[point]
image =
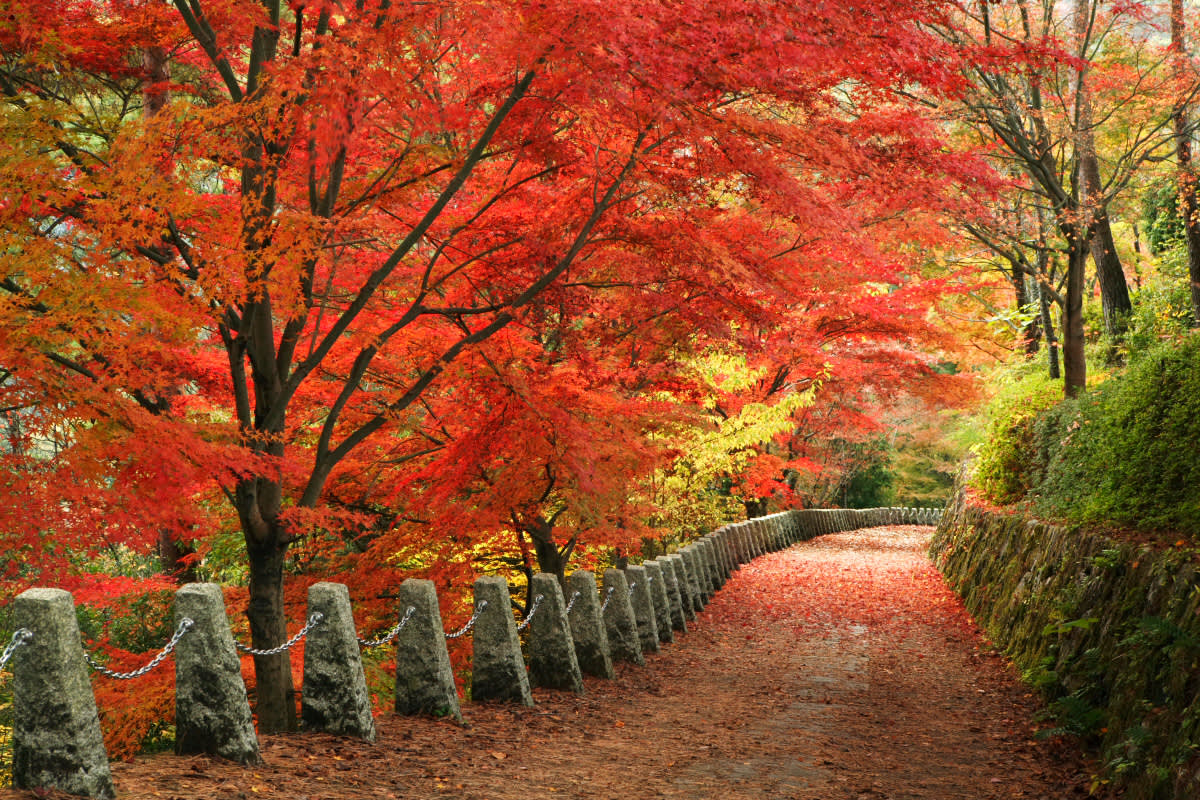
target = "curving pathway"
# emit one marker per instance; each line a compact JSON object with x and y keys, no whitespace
{"x":838,"y":668}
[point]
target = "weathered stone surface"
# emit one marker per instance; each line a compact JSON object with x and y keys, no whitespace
{"x":658,"y":596}
{"x":587,"y":626}
{"x":682,"y":585}
{"x":708,"y":568}
{"x":57,"y":742}
{"x":552,"y":662}
{"x":424,"y":678}
{"x":643,"y":608}
{"x":335,"y":697}
{"x":692,"y":561}
{"x":619,"y":622}
{"x":212,"y":714}
{"x":497,"y":667}
{"x":674,"y":600}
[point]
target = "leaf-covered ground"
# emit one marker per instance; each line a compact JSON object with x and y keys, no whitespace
{"x":840,"y":668}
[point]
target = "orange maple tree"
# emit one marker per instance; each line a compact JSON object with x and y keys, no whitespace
{"x":296,"y":259}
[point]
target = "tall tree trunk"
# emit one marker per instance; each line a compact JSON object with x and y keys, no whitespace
{"x":1074,"y":363}
{"x":1114,"y":293}
{"x":1048,"y":332}
{"x":1030,"y":335}
{"x":276,"y":693}
{"x":1189,"y":205}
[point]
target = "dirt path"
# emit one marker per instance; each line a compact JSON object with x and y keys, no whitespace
{"x":840,"y":668}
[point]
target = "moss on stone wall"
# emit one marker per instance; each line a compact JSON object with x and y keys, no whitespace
{"x":1108,"y":631}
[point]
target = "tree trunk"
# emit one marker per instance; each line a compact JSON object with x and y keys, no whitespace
{"x":1030,"y":335}
{"x":1189,"y":205}
{"x":1048,"y":332}
{"x":1114,"y":291}
{"x":1074,"y":363}
{"x":276,"y":693}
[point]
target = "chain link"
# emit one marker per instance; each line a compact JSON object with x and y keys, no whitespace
{"x":470,"y":623}
{"x":632,"y":586}
{"x":20,"y":636}
{"x":185,"y":625}
{"x":392,"y":634}
{"x":313,"y":622}
{"x":571,"y":604}
{"x":537,"y":601}
{"x":607,"y":597}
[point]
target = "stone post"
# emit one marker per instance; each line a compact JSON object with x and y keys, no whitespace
{"x":587,"y":627}
{"x":335,"y":697}
{"x":643,"y":608}
{"x":619,"y":622}
{"x":57,"y":742}
{"x":212,"y":714}
{"x":692,"y":561}
{"x":675,"y":601}
{"x":662,"y":605}
{"x":497,"y":668}
{"x":683,"y":585}
{"x":552,"y":661}
{"x":708,"y":566}
{"x":424,"y":678}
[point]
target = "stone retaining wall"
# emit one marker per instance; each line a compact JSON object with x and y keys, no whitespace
{"x":1108,"y":630}
{"x":56,"y":736}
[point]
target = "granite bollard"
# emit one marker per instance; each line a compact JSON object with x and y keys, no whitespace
{"x":212,"y":713}
{"x":662,"y":604}
{"x":682,"y":585}
{"x":57,"y":742}
{"x":674,"y":600}
{"x":587,"y":627}
{"x":497,"y":668}
{"x":619,"y":621}
{"x":335,"y":697}
{"x":552,"y":661}
{"x":643,"y":607}
{"x":424,"y":677}
{"x":692,"y":562}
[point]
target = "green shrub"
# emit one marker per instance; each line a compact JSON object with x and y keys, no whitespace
{"x":1005,"y":471}
{"x":1138,"y":461}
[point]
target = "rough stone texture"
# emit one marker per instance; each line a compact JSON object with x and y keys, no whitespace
{"x":335,"y":697}
{"x":57,"y":742}
{"x":662,"y":605}
{"x":1112,"y":620}
{"x":552,"y":662}
{"x":587,"y":627}
{"x":682,"y":585}
{"x":692,"y":563}
{"x":619,"y":621}
{"x":674,"y":600}
{"x":643,"y":608}
{"x":708,"y":567}
{"x":424,"y":678}
{"x":212,"y":714}
{"x":497,"y":667}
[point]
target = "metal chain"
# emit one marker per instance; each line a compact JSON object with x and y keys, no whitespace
{"x":632,"y":586}
{"x":313,"y":622}
{"x":480,"y":606}
{"x":571,"y":604}
{"x":20,"y":636}
{"x":537,"y":601}
{"x":185,"y":625}
{"x":392,"y":634}
{"x":607,"y":597}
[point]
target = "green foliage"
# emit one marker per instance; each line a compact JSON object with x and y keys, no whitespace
{"x":871,"y":486}
{"x":1160,"y":211}
{"x":1123,"y":453}
{"x":1005,"y":471}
